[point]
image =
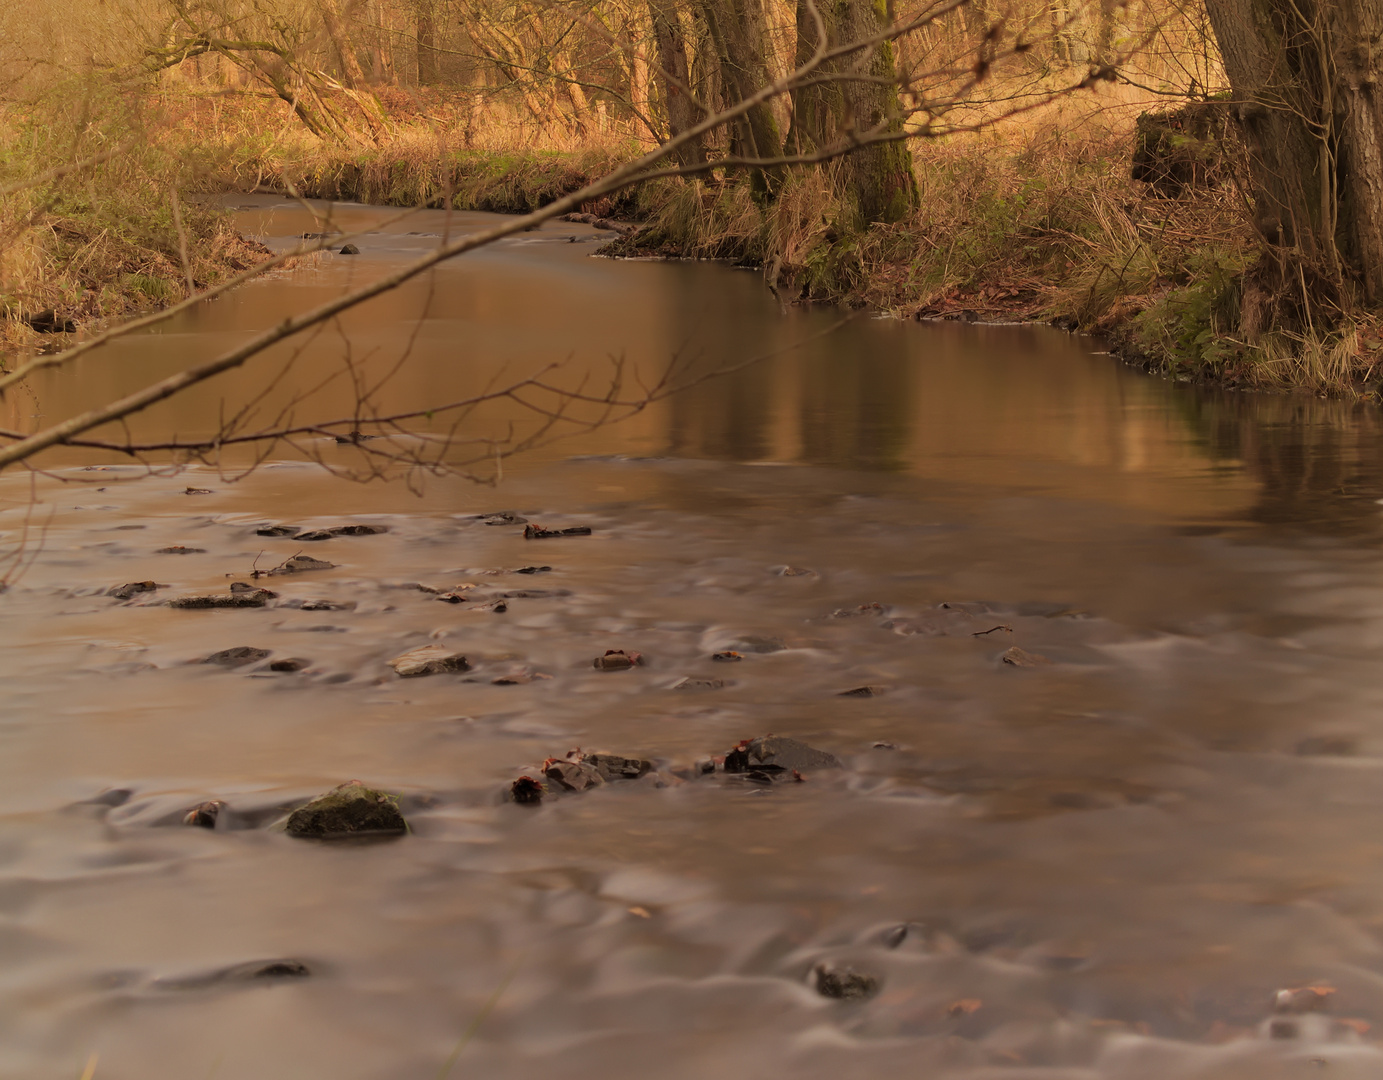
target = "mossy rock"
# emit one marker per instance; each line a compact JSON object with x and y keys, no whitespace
{"x":1183,"y":148}
{"x":349,"y":810}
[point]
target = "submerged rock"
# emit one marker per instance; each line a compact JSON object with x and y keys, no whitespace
{"x":573,"y":775}
{"x":687,"y":683}
{"x":251,"y":970}
{"x":348,"y":249}
{"x":728,"y":656}
{"x":237,"y":599}
{"x":526,"y":791}
{"x":795,"y":571}
{"x":533,"y":570}
{"x":856,"y":612}
{"x":502,"y":517}
{"x":179,"y":549}
{"x":319,"y":605}
{"x":864,"y":691}
{"x":537,"y":532}
{"x":348,"y":810}
{"x":301,"y":563}
{"x":1016,"y":657}
{"x":277,"y":530}
{"x":616,"y":767}
{"x":290,"y":664}
{"x":777,"y":754}
{"x":428,"y":660}
{"x":204,"y":815}
{"x":342,"y":530}
{"x":132,"y":589}
{"x":617,"y":660}
{"x":237,"y":657}
{"x":844,"y":984}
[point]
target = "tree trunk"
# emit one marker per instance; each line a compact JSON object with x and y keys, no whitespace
{"x":878,"y":177}
{"x":674,"y":79}
{"x":351,"y":72}
{"x":427,"y":42}
{"x":740,"y":36}
{"x":1307,"y":103}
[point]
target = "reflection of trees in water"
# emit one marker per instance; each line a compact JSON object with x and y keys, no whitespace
{"x":857,"y":405}
{"x":835,"y":402}
{"x":1319,"y":462}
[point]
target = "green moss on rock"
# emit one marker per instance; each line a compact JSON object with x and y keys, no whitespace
{"x":348,"y":810}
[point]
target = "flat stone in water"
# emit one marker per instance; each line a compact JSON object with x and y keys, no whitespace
{"x":616,"y":767}
{"x":687,"y":683}
{"x":237,"y":657}
{"x":844,"y":984}
{"x":573,"y":775}
{"x":300,"y":563}
{"x":342,"y":530}
{"x":777,"y":753}
{"x":179,"y":549}
{"x":428,"y":660}
{"x":277,"y":530}
{"x":864,"y":691}
{"x":348,"y":810}
{"x":131,"y":589}
{"x":253,"y":598}
{"x":503,"y":517}
{"x":1016,"y":657}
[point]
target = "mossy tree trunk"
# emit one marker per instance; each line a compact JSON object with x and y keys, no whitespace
{"x":1307,"y":100}
{"x":674,"y":78}
{"x":739,"y":32}
{"x":878,"y":177}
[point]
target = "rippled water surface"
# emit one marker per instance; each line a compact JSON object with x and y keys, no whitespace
{"x":1102,"y":866}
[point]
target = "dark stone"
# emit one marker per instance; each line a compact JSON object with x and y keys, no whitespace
{"x":321,"y":235}
{"x":885,"y":746}
{"x":349,"y":249}
{"x":729,"y":656}
{"x":179,"y":549}
{"x":573,"y":775}
{"x":131,"y":589}
{"x":246,"y":587}
{"x":844,"y":983}
{"x":451,"y":598}
{"x":237,"y":657}
{"x":532,"y":569}
{"x":1016,"y":657}
{"x":300,"y":563}
{"x":526,"y":791}
{"x":254,"y":598}
{"x":537,"y":532}
{"x":503,"y":517}
{"x":864,"y":691}
{"x":277,"y":530}
{"x":319,"y":605}
{"x":350,"y":809}
{"x":428,"y":660}
{"x":197,"y":491}
{"x":49,"y":321}
{"x":617,"y":660}
{"x":615,"y":767}
{"x":291,"y":663}
{"x":204,"y":815}
{"x":776,"y":753}
{"x":274,"y":969}
{"x":342,"y":530}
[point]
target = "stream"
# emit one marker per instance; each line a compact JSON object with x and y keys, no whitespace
{"x":1100,"y":863}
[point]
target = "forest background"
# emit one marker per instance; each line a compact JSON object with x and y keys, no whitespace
{"x":1089,"y":163}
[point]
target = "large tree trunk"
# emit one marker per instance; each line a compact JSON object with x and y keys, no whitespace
{"x":351,"y":72}
{"x":740,"y":34}
{"x":674,"y":79}
{"x":1307,"y":102}
{"x":878,"y":176}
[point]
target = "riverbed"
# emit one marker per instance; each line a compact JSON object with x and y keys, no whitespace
{"x":1102,"y":861}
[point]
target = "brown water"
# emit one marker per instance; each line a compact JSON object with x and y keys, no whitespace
{"x":1106,"y":864}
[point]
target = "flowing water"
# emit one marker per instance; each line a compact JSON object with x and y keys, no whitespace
{"x":1100,"y":866}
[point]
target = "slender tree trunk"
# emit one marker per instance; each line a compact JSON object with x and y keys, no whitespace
{"x":1304,"y":75}
{"x":427,"y":42}
{"x":674,"y":78}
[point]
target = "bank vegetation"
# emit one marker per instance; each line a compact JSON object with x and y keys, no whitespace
{"x":1106,"y":166}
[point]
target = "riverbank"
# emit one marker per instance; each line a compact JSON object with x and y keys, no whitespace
{"x":1032,"y":222}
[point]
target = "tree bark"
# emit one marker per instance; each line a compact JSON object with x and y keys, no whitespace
{"x":1305,"y":81}
{"x":352,"y":73}
{"x":674,"y":78}
{"x":427,"y":42}
{"x":878,"y":177}
{"x":739,"y":32}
